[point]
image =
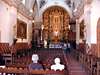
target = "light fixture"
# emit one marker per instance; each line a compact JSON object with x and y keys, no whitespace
{"x":31,"y":10}
{"x":56,"y":33}
{"x":32,"y":21}
{"x":42,"y":27}
{"x":12,"y":9}
{"x":75,"y":10}
{"x":23,"y":1}
{"x":69,"y":27}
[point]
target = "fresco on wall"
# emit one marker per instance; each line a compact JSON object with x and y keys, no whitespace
{"x":21,"y":29}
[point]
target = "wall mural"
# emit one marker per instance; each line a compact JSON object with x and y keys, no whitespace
{"x":21,"y":29}
{"x":55,"y":21}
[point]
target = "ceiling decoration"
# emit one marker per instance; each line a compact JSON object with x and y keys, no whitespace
{"x":68,"y":2}
{"x":42,"y":3}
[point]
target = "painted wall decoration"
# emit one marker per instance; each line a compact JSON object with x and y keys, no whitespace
{"x":21,"y":29}
{"x":42,"y":3}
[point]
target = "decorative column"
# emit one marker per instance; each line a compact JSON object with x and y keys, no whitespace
{"x":77,"y":32}
{"x":29,"y":31}
{"x":42,"y":27}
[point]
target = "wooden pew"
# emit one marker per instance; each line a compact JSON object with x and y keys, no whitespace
{"x":46,"y":58}
{"x":21,"y":71}
{"x":90,"y":62}
{"x":6,"y":52}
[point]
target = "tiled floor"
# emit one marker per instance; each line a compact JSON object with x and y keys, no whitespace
{"x":75,"y":68}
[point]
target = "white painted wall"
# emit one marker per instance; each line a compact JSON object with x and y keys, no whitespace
{"x":91,"y":16}
{"x":87,"y":21}
{"x":7,"y":20}
{"x":95,"y":14}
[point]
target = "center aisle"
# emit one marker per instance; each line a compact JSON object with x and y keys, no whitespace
{"x":74,"y":67}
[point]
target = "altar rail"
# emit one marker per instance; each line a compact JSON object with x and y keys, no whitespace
{"x":92,"y":63}
{"x":21,"y":71}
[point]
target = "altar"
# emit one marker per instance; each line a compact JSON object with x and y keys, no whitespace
{"x":55,"y":26}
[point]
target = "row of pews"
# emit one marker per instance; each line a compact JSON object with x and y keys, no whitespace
{"x":46,"y":57}
{"x":24,"y":71}
{"x":8,"y":52}
{"x":6,"y":48}
{"x":21,"y":57}
{"x":91,"y":62}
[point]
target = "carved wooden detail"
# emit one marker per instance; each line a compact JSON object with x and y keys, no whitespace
{"x":55,"y":21}
{"x":82,"y":27}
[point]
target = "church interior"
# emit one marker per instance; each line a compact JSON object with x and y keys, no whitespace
{"x":64,"y":29}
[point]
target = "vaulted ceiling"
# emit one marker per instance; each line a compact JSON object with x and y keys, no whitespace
{"x":39,"y":6}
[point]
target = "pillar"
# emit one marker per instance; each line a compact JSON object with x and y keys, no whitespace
{"x":77,"y":32}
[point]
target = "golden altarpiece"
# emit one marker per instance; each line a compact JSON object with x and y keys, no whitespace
{"x":55,"y":21}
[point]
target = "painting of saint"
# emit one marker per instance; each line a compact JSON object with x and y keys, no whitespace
{"x":21,"y":29}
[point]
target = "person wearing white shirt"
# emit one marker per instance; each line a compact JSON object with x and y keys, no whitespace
{"x":57,"y":65}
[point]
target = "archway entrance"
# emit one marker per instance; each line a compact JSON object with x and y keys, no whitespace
{"x":56,"y":24}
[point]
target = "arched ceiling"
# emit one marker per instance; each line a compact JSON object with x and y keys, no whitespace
{"x":56,"y":3}
{"x":52,"y":3}
{"x":48,"y":3}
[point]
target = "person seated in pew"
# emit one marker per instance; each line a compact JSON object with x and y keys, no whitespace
{"x":35,"y":65}
{"x":57,"y":65}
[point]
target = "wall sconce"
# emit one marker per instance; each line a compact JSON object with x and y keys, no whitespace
{"x":31,"y":10}
{"x":32,"y":21}
{"x":69,"y":27}
{"x":42,"y":27}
